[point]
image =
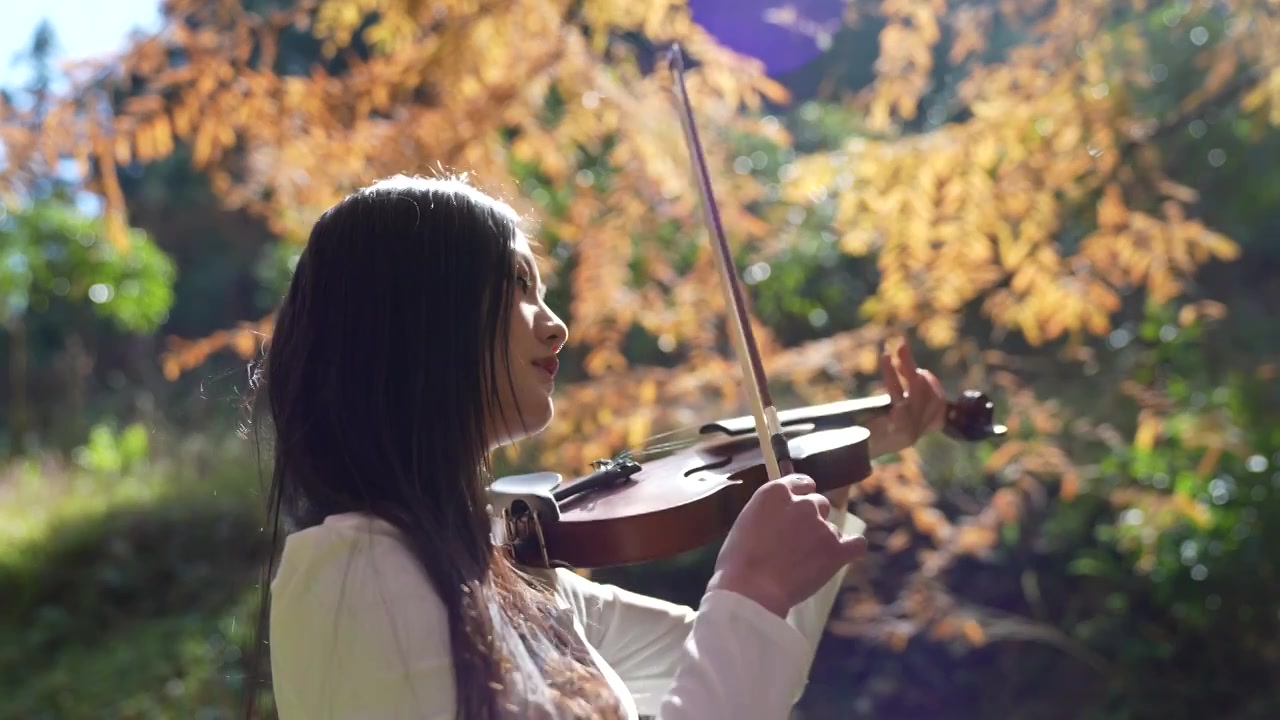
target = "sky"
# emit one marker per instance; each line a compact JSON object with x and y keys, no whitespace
{"x":82,"y":29}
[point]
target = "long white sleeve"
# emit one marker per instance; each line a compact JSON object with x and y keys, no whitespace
{"x":741,"y":661}
{"x":647,"y":640}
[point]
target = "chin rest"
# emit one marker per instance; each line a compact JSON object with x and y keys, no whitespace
{"x":514,"y":495}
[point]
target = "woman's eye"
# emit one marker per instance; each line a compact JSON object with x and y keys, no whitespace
{"x":524,"y":282}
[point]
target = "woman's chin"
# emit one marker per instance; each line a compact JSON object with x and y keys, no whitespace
{"x":531,"y":423}
{"x":542,"y":420}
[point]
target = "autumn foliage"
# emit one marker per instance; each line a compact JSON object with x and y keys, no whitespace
{"x":1038,"y":199}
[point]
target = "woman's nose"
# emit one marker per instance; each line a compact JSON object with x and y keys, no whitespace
{"x":557,"y":333}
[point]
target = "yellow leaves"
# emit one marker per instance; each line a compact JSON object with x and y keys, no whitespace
{"x":1208,"y":244}
{"x":202,"y":150}
{"x":336,"y":21}
{"x":931,"y":522}
{"x":1223,"y":64}
{"x":940,"y":330}
{"x":152,"y":139}
{"x":117,"y":228}
{"x":775,"y":91}
{"x":1177,"y":191}
{"x":898,"y":541}
{"x":973,"y":632}
{"x":968,"y":213}
{"x":1006,"y":504}
{"x":1149,"y":427}
{"x":537,"y":146}
{"x":975,"y":540}
{"x":1112,"y":213}
{"x":959,"y":627}
{"x":859,"y":241}
{"x":1209,"y":461}
{"x":985,"y":153}
{"x":1136,"y":249}
{"x":1204,"y":309}
{"x":1003,"y":455}
{"x":389,"y":32}
{"x":905,"y":61}
{"x":1069,"y":487}
{"x":970,"y":25}
{"x":1265,"y":93}
{"x":123,"y":150}
{"x":814,"y":176}
{"x":958,"y":212}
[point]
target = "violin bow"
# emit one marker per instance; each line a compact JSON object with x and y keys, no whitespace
{"x":772,"y":443}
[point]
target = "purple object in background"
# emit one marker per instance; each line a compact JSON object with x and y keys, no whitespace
{"x":784,"y":34}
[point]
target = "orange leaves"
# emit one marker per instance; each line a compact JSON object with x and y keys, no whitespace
{"x":966,"y":213}
{"x":1207,"y":309}
{"x":970,"y":24}
{"x":1223,"y":65}
{"x":245,"y":341}
{"x":930,"y":522}
{"x":1112,"y":213}
{"x":1135,"y":249}
{"x":975,"y":540}
{"x":956,"y":627}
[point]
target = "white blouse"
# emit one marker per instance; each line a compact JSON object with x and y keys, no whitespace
{"x":357,"y":631}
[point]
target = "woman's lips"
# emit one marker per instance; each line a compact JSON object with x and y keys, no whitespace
{"x":548,"y":365}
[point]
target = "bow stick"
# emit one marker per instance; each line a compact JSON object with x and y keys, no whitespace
{"x":772,"y":443}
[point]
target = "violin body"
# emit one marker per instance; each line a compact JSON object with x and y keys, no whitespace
{"x":626,"y":513}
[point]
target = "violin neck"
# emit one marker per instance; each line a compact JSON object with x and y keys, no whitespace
{"x":841,"y":413}
{"x":969,"y":417}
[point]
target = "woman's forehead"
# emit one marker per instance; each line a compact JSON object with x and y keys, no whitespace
{"x":520,"y":244}
{"x":523,"y":250}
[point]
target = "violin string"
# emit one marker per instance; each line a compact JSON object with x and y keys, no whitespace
{"x":654,"y":449}
{"x":682,"y":431}
{"x":649,"y":449}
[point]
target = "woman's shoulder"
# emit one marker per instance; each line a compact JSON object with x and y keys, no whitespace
{"x":357,"y":556}
{"x":344,"y":535}
{"x":356,"y":625}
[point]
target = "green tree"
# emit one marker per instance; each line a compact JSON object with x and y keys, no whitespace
{"x":54,"y":258}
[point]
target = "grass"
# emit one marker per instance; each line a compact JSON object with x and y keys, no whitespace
{"x":128,"y":594}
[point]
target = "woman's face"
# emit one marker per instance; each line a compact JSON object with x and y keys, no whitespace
{"x":527,"y":369}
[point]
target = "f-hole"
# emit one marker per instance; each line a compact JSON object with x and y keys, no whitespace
{"x":714,"y":466}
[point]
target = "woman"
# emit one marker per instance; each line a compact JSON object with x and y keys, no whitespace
{"x":413,"y":341}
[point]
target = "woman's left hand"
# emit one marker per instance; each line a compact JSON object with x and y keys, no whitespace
{"x":918,"y":404}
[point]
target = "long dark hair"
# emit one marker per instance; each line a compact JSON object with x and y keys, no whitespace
{"x":380,"y":379}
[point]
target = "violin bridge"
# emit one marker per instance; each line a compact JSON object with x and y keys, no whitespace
{"x":621,"y":458}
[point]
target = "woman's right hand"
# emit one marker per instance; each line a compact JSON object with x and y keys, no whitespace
{"x":782,"y":548}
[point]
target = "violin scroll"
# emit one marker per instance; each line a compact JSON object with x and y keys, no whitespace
{"x":971,"y":417}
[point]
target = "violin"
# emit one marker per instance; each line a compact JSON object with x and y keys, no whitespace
{"x":626,"y":512}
